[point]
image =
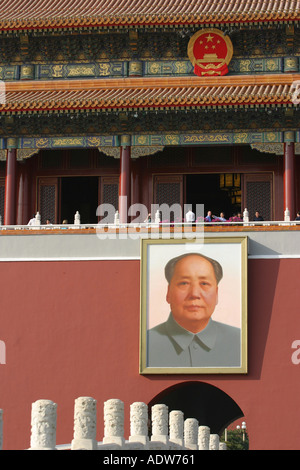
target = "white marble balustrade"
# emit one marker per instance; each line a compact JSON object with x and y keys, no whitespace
{"x":158,"y":430}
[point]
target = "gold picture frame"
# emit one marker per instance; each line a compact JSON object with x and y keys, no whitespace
{"x":165,"y":345}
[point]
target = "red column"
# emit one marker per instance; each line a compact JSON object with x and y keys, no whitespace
{"x":289,"y":178}
{"x":135,"y":181}
{"x":20,"y":193}
{"x":125,"y":186}
{"x":26,"y":195}
{"x":23,"y":195}
{"x":10,"y":188}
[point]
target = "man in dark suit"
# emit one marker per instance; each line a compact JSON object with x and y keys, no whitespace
{"x":258,"y":217}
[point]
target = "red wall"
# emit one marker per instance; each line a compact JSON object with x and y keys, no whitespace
{"x":72,"y":329}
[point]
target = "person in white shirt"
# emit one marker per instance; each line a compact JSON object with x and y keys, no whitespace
{"x":32,"y":221}
{"x":190,"y":216}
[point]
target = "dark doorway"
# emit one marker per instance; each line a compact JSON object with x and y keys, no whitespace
{"x":79,"y":194}
{"x":208,"y":404}
{"x":205,"y":189}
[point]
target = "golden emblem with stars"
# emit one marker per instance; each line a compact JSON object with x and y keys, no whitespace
{"x":210,"y":52}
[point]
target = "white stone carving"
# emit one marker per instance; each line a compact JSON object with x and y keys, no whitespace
{"x":139,"y":423}
{"x":222,"y":446}
{"x":77,"y":218}
{"x":191,"y":433}
{"x":160,"y":424}
{"x":203,"y":437}
{"x":214,"y":441}
{"x":246,"y":216}
{"x":157,"y":217}
{"x":176,"y":424}
{"x":116,"y":218}
{"x":114,"y":422}
{"x":287,"y":217}
{"x":169,"y":430}
{"x":85,"y":419}
{"x":43,"y":425}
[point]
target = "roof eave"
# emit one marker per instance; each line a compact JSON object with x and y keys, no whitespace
{"x":146,"y":21}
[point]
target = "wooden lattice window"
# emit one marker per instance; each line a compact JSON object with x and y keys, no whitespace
{"x":258,"y":195}
{"x":48,"y":199}
{"x":110,"y":195}
{"x":168,"y":190}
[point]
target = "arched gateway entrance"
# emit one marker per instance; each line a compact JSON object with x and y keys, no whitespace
{"x":208,"y":404}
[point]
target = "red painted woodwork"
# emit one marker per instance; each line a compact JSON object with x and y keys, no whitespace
{"x":20,"y":196}
{"x":136,"y":181}
{"x":148,"y":168}
{"x":26,"y":195}
{"x":10,"y":188}
{"x":72,"y":329}
{"x":289,"y":178}
{"x":125,"y":184}
{"x":23,"y":214}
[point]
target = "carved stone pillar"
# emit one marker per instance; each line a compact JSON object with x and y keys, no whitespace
{"x":160,"y":424}
{"x":191,"y":433}
{"x":203,"y":437}
{"x":139,"y":423}
{"x":176,"y":422}
{"x":85,"y":418}
{"x":114,"y":422}
{"x":214,"y":441}
{"x":43,"y":425}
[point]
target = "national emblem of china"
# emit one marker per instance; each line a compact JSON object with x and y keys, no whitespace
{"x":210,"y":52}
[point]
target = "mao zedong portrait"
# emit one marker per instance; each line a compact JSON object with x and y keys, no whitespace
{"x":190,"y":337}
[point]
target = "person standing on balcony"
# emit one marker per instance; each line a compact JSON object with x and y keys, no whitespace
{"x":190,"y":216}
{"x":258,"y":217}
{"x":209,"y":217}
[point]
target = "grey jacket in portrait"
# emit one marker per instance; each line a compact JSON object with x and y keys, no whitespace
{"x":170,"y":345}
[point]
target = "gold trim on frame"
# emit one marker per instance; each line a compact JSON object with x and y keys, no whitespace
{"x":187,"y":246}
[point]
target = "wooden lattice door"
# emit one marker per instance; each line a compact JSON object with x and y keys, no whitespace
{"x":168,"y":190}
{"x":48,"y":199}
{"x":109,"y":194}
{"x":258,"y":194}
